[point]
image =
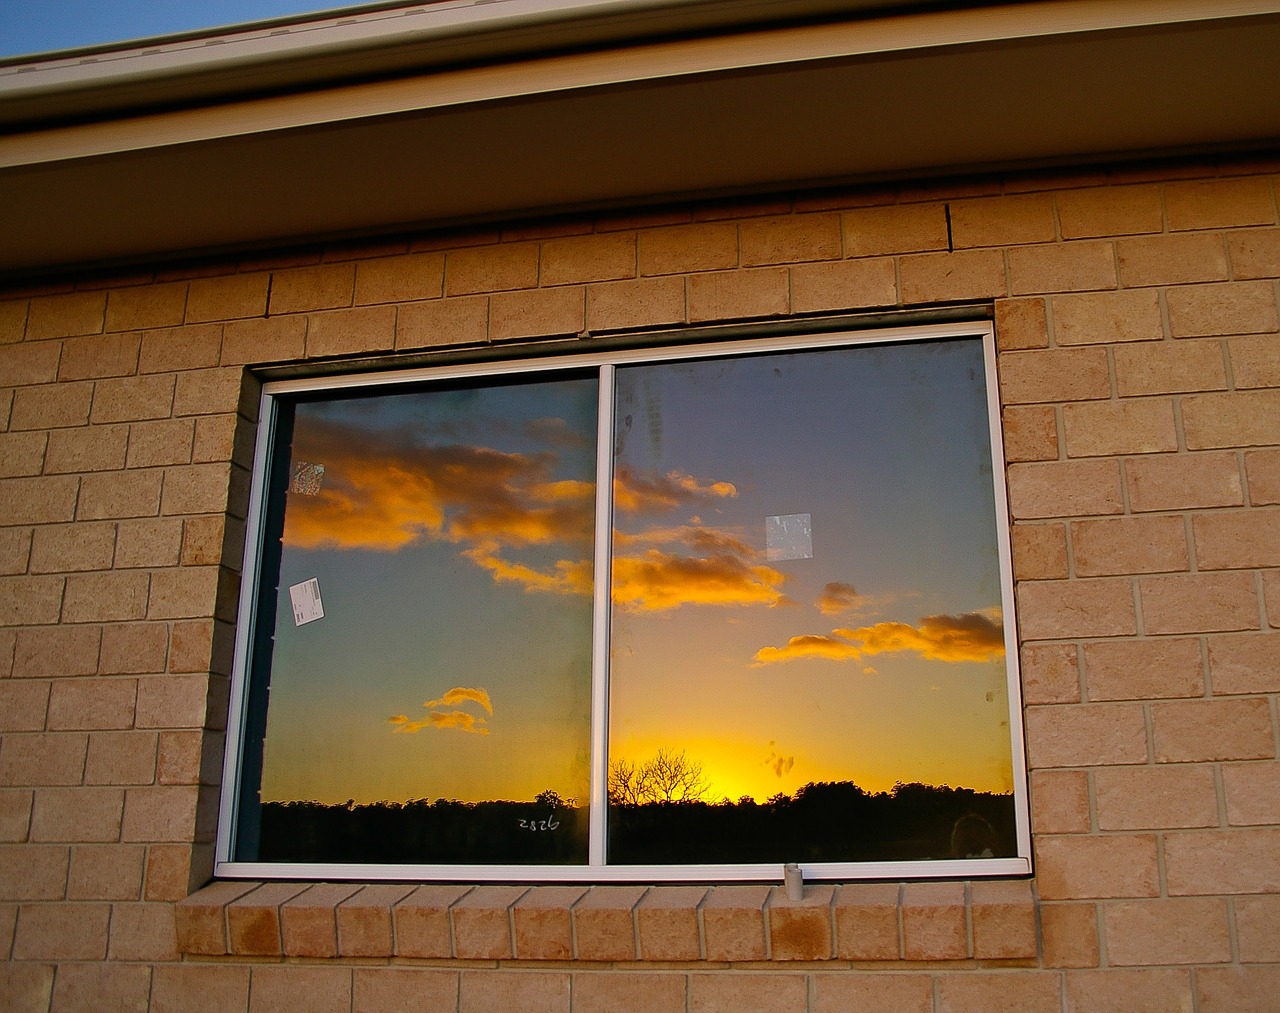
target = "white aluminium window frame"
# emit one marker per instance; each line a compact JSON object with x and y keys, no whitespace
{"x":595,"y":870}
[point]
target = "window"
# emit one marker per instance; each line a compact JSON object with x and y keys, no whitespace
{"x":689,"y":613}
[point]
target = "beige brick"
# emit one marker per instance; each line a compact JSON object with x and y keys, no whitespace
{"x":1039,"y":551}
{"x":1172,"y":260}
{"x":1199,"y":603}
{"x":481,"y":925}
{"x":766,"y":993}
{"x":1131,"y":426}
{"x":761,"y":292}
{"x":1021,"y":324}
{"x":23,"y":705}
{"x":1002,"y":221}
{"x":646,"y":302}
{"x":178,"y":348}
{"x":852,"y":284}
{"x":577,"y":259}
{"x":91,"y":704}
{"x":106,"y":872}
{"x":60,"y":316}
{"x":222,"y":438}
{"x":537,"y":313}
{"x":491,"y":269}
{"x":104,"y":597}
{"x":305,"y":289}
{"x":1255,"y":253}
{"x":1110,"y":211}
{"x":388,"y":988}
{"x":56,"y":652}
{"x":1030,"y":433}
{"x":682,"y":249}
{"x":1060,"y":374}
{"x":130,"y":309}
{"x":267,"y":339}
{"x":866,"y":922}
{"x":199,"y":988}
{"x":175,"y":870}
{"x":1062,"y":610}
{"x":62,"y":932}
{"x":1050,"y":673}
{"x":143,"y":932}
{"x":172,"y":701}
{"x":1062,"y":267}
{"x":37,"y":500}
{"x":364,"y":920}
{"x":422,"y":921}
{"x":190,"y":646}
{"x":1255,"y":361}
{"x":1237,"y":989}
{"x":1083,"y":867}
{"x":166,"y":813}
{"x":1231,"y":420}
{"x":227,"y":297}
{"x":344,"y":332}
{"x":1243,"y":307}
{"x":1069,"y":935}
{"x":1107,"y":317}
{"x":904,"y":228}
{"x":126,"y":399}
{"x":309,"y":925}
{"x":734,"y":922}
{"x":196,"y":489}
{"x":13,"y":320}
{"x":30,"y":363}
{"x":480,"y":992}
{"x":542,"y":922}
{"x":903,"y":993}
{"x":99,"y":356}
{"x":972,"y":992}
{"x":934,"y":921}
{"x":214,"y":392}
{"x":22,"y":454}
{"x":63,"y":548}
{"x":205,"y":540}
{"x":1258,"y":929}
{"x":1208,"y":862}
{"x":398,"y":279}
{"x":947,"y":277}
{"x":619,"y":990}
{"x":30,"y":600}
{"x":33,"y":871}
{"x":1203,"y":730}
{"x":184,"y":757}
{"x":1253,"y":793}
{"x":1129,"y":545}
{"x":462,"y":321}
{"x":789,"y":239}
{"x":283,"y":989}
{"x":76,"y":814}
{"x":1060,"y":802}
{"x":667,"y":920}
{"x":15,"y":553}
{"x":1167,"y":932}
{"x":15,"y":817}
{"x":1169,"y":368}
{"x":53,"y":758}
{"x":1143,"y":669}
{"x":1245,"y":663}
{"x":253,"y":919}
{"x":801,"y":929}
{"x":51,"y":407}
{"x":121,"y":758}
{"x":1156,"y":798}
{"x":187,"y":592}
{"x":603,"y":925}
{"x":1219,"y":203}
{"x":1143,"y":991}
{"x":94,"y":448}
{"x":1184,"y":481}
{"x":1239,"y":539}
{"x":1081,"y":735}
{"x":148,"y":542}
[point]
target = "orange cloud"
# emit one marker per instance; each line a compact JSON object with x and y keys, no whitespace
{"x":568,"y":577}
{"x":973,"y":636}
{"x":462,"y":694}
{"x":658,"y":581}
{"x":837,"y":597}
{"x":460,"y":720}
{"x":633,"y":492}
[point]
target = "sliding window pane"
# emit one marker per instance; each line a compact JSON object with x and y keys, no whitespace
{"x":807,"y":644}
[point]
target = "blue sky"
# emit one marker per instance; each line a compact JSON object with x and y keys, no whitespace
{"x":46,"y":25}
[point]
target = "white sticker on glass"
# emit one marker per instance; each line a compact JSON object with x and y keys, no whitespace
{"x":788,"y":536}
{"x":306,"y":602}
{"x":307,"y":478}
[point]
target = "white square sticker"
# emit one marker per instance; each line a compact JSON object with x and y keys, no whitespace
{"x":788,"y":536}
{"x":306,"y":602}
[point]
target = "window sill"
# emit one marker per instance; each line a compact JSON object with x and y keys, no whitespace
{"x":979,"y":920}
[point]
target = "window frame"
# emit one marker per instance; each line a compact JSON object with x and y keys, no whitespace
{"x":596,"y":871}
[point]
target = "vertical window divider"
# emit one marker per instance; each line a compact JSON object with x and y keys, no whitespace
{"x":602,"y":582}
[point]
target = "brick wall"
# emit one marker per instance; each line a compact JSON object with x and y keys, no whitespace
{"x":1136,"y":312}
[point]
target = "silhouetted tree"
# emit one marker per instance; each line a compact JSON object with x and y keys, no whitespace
{"x":670,"y":776}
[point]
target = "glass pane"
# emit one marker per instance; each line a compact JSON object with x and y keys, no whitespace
{"x":807,"y":645}
{"x":430,"y":677}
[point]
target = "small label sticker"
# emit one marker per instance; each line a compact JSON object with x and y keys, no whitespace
{"x":306,"y":602}
{"x":307,"y":478}
{"x":788,"y":536}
